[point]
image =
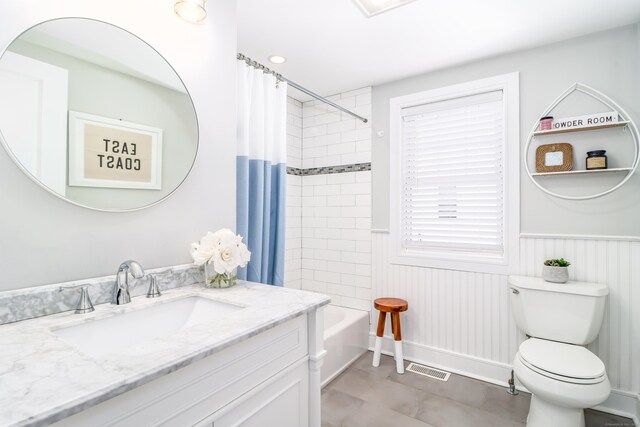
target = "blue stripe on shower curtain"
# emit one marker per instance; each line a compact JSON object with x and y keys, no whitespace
{"x":260,"y":216}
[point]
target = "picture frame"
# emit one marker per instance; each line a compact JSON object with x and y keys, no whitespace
{"x":111,"y":153}
{"x":556,"y":157}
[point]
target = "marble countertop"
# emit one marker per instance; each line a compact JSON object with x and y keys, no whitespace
{"x":43,"y":379}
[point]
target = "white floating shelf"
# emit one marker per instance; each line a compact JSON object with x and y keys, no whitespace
{"x":580,"y":172}
{"x":625,"y":123}
{"x":580,"y":129}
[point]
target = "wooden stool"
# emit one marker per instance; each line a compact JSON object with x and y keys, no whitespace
{"x":395,"y":306}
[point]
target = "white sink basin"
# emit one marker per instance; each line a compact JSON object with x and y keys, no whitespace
{"x":124,"y":332}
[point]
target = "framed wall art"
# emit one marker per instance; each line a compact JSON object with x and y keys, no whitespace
{"x":105,"y":152}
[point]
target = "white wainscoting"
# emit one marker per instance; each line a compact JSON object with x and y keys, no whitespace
{"x":461,"y":321}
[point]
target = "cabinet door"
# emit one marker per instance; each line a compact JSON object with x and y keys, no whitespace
{"x":282,"y":402}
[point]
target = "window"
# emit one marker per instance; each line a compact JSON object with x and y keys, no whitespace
{"x":454,"y":183}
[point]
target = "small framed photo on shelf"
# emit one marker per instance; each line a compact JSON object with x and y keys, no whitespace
{"x":554,"y":157}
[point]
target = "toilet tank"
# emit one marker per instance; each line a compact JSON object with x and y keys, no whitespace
{"x":571,"y":312}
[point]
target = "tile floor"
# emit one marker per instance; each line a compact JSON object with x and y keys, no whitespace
{"x":364,"y":396}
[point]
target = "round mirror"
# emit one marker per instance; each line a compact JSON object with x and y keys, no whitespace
{"x":95,"y":115}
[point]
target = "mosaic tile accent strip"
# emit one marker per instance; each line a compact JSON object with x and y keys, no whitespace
{"x":356,"y":167}
{"x":295,"y":171}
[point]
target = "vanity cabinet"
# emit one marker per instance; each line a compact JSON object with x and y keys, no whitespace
{"x":266,"y":380}
{"x":281,"y":403}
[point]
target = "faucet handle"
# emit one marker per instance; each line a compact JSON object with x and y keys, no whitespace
{"x":84,"y":303}
{"x":154,"y":289}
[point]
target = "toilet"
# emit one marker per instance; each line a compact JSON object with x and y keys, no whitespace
{"x":553,"y":364}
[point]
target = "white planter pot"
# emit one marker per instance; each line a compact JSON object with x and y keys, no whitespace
{"x":555,"y":274}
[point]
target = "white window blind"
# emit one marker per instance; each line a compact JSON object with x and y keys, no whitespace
{"x":452,"y":175}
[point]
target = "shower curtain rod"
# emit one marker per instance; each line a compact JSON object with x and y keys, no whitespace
{"x":280,"y":77}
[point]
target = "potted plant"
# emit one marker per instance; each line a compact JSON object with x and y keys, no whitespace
{"x":556,"y":270}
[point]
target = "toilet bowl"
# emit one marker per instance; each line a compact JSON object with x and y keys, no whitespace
{"x":561,"y":374}
{"x":563,"y":380}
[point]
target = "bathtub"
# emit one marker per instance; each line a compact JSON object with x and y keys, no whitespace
{"x":346,"y":337}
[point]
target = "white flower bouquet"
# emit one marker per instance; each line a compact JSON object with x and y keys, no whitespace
{"x":221,"y":253}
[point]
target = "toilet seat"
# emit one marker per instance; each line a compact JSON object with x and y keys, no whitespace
{"x":563,"y":362}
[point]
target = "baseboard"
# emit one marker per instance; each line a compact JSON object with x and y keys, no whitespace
{"x":462,"y":364}
{"x":341,"y":370}
{"x":620,"y":402}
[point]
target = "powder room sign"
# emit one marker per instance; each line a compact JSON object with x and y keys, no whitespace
{"x":112,"y":153}
{"x":597,"y":119}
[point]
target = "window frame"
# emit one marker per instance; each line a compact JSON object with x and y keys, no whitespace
{"x":473,"y":261}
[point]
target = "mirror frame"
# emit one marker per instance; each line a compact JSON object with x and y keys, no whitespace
{"x":17,"y":162}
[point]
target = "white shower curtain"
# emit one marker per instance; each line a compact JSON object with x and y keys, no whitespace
{"x":261,"y":172}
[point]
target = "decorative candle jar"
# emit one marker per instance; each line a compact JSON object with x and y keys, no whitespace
{"x":596,"y":159}
{"x":546,"y":123}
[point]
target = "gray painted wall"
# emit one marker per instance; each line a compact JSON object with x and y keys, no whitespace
{"x":608,"y":61}
{"x":45,"y":240}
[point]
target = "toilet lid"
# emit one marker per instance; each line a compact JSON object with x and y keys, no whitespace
{"x":565,"y":360}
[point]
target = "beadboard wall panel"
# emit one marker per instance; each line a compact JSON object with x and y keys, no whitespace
{"x":468,"y":313}
{"x":457,"y":311}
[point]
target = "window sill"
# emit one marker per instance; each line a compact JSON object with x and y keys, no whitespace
{"x":455,"y":263}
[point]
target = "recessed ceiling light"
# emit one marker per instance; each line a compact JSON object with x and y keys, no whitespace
{"x":277,"y":59}
{"x":374,"y":7}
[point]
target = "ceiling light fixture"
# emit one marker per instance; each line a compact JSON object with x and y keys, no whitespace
{"x":374,"y":7}
{"x":277,"y":59}
{"x":191,"y":10}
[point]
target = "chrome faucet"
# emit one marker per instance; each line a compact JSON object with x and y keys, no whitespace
{"x":121,"y":293}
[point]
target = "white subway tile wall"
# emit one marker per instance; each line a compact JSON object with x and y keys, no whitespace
{"x":331,"y":137}
{"x":294,"y":133}
{"x":293,"y":232}
{"x":328,"y":246}
{"x":336,"y":237}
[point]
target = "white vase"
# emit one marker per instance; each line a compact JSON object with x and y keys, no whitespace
{"x":555,"y":274}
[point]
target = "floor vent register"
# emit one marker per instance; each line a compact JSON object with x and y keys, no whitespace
{"x":428,"y":371}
